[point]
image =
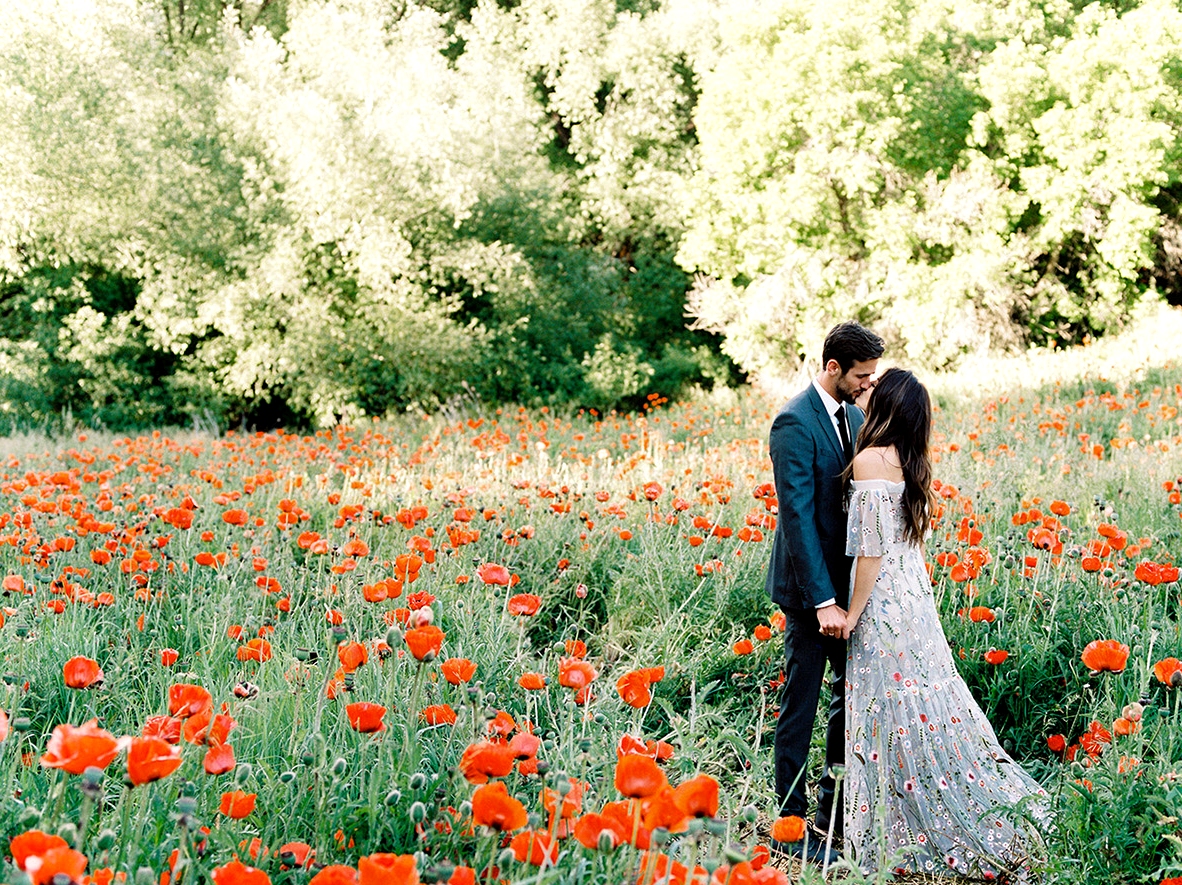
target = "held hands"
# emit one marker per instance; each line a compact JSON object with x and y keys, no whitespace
{"x":832,"y":621}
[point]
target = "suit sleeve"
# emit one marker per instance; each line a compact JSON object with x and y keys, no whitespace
{"x":793,"y":450}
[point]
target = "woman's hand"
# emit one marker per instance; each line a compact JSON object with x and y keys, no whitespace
{"x":851,"y":621}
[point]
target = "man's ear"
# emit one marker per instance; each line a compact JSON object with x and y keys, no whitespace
{"x":833,"y":367}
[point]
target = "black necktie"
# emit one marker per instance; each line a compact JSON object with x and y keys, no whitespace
{"x":844,"y":433}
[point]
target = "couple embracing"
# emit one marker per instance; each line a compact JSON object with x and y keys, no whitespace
{"x":926,"y":786}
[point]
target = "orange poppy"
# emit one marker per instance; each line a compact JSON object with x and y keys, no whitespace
{"x":439,"y":714}
{"x":532,"y":681}
{"x":76,"y":749}
{"x":534,"y":847}
{"x":169,"y":656}
{"x":1105,"y":655}
{"x":743,"y":647}
{"x":237,"y":804}
{"x":491,"y":573}
{"x":4,"y":726}
{"x":981,"y":613}
{"x":237,"y":873}
{"x":56,"y":863}
{"x":80,"y":672}
{"x":457,"y":670}
{"x":366,"y":717}
{"x":788,"y":829}
{"x":575,"y":674}
{"x":388,"y":869}
{"x":661,"y":810}
{"x":186,"y":700}
{"x":219,"y":759}
{"x":526,"y":604}
{"x":1153,"y":573}
{"x":352,"y":655}
{"x":698,"y":796}
{"x":638,"y":777}
{"x":296,"y":854}
{"x":33,"y":843}
{"x":492,"y":806}
{"x":424,"y":642}
{"x":255,"y":650}
{"x":633,"y":689}
{"x":151,"y":758}
{"x":996,"y":656}
{"x":485,"y":759}
{"x":1169,"y":672}
{"x":601,"y":832}
{"x":564,"y":805}
{"x":337,"y":874}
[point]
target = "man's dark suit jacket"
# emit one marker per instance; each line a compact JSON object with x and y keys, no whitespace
{"x":808,"y":563}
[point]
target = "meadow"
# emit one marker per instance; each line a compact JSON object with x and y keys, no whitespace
{"x":533,"y":646}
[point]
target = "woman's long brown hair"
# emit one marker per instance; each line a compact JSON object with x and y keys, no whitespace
{"x":900,"y":415}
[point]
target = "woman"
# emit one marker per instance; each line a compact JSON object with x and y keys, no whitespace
{"x":927,"y":786}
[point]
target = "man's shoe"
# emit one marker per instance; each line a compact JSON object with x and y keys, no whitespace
{"x":817,"y":854}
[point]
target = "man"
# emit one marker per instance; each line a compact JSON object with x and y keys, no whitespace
{"x":808,"y":576}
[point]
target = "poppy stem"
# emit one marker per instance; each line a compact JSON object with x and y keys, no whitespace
{"x":412,"y":713}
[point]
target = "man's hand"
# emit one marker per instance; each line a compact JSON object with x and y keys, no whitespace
{"x":832,"y":620}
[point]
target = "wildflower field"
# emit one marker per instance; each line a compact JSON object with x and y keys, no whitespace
{"x":530,"y":647}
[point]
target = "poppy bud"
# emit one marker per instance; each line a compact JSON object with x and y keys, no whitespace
{"x":287,"y":778}
{"x":29,"y":818}
{"x":92,"y":776}
{"x":145,"y":876}
{"x":660,"y":837}
{"x":106,"y":840}
{"x":393,"y":636}
{"x":392,"y":798}
{"x":186,"y":805}
{"x":21,"y":723}
{"x":466,"y":809}
{"x":418,"y":812}
{"x":749,"y":813}
{"x":715,"y":827}
{"x":506,"y":858}
{"x":339,"y":766}
{"x":418,"y":781}
{"x":585,"y":745}
{"x":606,"y":841}
{"x":242,"y":775}
{"x":734,"y":855}
{"x":69,"y":832}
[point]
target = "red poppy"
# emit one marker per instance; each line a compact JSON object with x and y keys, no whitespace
{"x":54,"y":864}
{"x":237,"y":804}
{"x":532,"y":681}
{"x":151,"y":758}
{"x":526,"y":604}
{"x":439,"y":714}
{"x":457,"y":670}
{"x":337,"y":874}
{"x":996,"y":656}
{"x":492,"y":806}
{"x":255,"y":650}
{"x":219,"y":759}
{"x":1105,"y":655}
{"x":698,"y":796}
{"x":485,"y":759}
{"x":981,"y":613}
{"x":633,"y":689}
{"x":564,"y":805}
{"x":188,"y":700}
{"x":788,"y":829}
{"x":235,"y":517}
{"x":296,"y":854}
{"x":638,"y":777}
{"x":661,"y":810}
{"x":1169,"y":672}
{"x":575,"y":674}
{"x":169,"y":656}
{"x":1153,"y":573}
{"x":352,"y":655}
{"x":76,"y":749}
{"x":424,"y":642}
{"x":601,"y":832}
{"x":366,"y":717}
{"x":534,"y":847}
{"x":388,"y":869}
{"x":237,"y":873}
{"x":491,"y":573}
{"x":80,"y":672}
{"x":33,"y":843}
{"x":743,"y":647}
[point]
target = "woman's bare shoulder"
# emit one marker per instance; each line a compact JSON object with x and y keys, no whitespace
{"x":878,"y":462}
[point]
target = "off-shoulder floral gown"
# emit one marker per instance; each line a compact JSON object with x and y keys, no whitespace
{"x":924,"y":771}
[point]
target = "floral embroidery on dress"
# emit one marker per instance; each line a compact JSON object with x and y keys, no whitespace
{"x":928,"y":787}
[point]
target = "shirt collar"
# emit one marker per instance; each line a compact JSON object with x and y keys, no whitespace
{"x":831,"y":405}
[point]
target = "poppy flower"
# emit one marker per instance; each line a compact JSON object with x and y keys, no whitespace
{"x":337,"y":874}
{"x":388,"y":869}
{"x":80,"y":672}
{"x":564,"y":805}
{"x":296,"y":854}
{"x":1169,"y":672}
{"x":492,"y":806}
{"x":219,"y":759}
{"x":633,"y":689}
{"x":237,"y":804}
{"x":575,"y":674}
{"x":255,"y":650}
{"x":1153,"y":573}
{"x":526,"y":604}
{"x":1105,"y":655}
{"x":532,"y":681}
{"x":352,"y":655}
{"x":491,"y":573}
{"x":981,"y":613}
{"x":601,"y":832}
{"x":424,"y":642}
{"x":661,"y":810}
{"x":186,"y":700}
{"x":638,"y":777}
{"x":1056,"y":743}
{"x":525,"y":745}
{"x":366,"y":717}
{"x":49,"y":867}
{"x":788,"y":829}
{"x":698,"y":796}
{"x":33,"y":843}
{"x":485,"y":759}
{"x":439,"y":714}
{"x":237,"y":873}
{"x":151,"y":758}
{"x":996,"y":656}
{"x":457,"y":670}
{"x":534,"y":847}
{"x":4,"y":726}
{"x":76,"y":749}
{"x":169,"y":656}
{"x":743,"y":647}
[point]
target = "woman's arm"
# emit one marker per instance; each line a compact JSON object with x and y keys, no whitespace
{"x":873,"y":463}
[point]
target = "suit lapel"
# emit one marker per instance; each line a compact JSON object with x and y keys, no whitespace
{"x":826,"y":422}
